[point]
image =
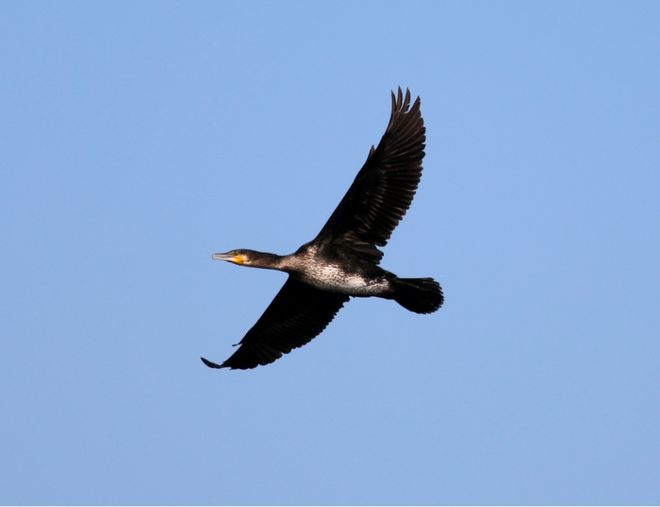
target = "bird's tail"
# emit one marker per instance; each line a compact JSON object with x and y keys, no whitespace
{"x":419,"y":295}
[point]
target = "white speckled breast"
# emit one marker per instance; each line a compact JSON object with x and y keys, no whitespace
{"x":333,"y":278}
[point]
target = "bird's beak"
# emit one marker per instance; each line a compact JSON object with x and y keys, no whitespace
{"x":229,"y":257}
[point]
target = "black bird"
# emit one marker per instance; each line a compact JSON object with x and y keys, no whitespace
{"x":342,"y":261}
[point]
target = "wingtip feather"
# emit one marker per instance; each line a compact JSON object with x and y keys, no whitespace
{"x":401,"y":102}
{"x":211,"y":364}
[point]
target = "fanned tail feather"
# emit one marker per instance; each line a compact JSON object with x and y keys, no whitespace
{"x":419,"y":295}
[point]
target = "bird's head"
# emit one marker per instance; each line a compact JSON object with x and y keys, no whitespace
{"x":240,"y":257}
{"x":251,"y":258}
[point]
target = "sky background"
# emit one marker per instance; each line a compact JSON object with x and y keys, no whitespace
{"x":138,"y":138}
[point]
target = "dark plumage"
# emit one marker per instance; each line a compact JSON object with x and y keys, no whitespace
{"x":343,"y":260}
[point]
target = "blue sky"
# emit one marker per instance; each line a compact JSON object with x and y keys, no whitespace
{"x":138,"y":138}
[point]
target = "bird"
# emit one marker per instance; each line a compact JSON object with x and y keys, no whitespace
{"x":343,"y":260}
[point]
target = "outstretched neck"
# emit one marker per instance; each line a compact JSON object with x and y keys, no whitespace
{"x":266,"y":260}
{"x":254,"y":259}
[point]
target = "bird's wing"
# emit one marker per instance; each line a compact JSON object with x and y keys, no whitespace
{"x":298,"y":314}
{"x":385,"y":186}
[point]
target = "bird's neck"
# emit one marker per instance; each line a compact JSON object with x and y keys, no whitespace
{"x":265,"y":260}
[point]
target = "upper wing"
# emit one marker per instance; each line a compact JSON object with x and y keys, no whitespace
{"x":298,"y":313}
{"x":385,"y":186}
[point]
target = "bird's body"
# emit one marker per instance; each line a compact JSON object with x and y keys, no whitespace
{"x":343,"y":260}
{"x":330,"y":268}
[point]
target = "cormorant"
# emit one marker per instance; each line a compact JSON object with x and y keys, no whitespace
{"x":343,"y":260}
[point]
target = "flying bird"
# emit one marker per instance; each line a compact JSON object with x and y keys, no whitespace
{"x":343,"y":260}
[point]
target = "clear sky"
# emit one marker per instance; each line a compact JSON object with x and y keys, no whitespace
{"x":138,"y":138}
